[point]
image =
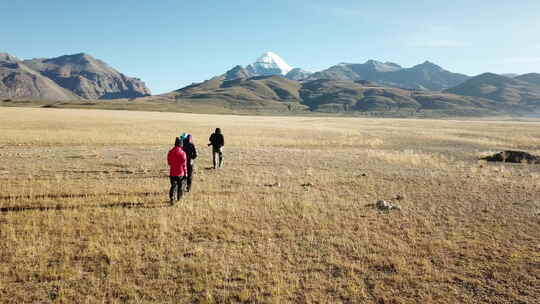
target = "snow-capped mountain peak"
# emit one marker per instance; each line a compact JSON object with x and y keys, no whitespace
{"x":269,"y":64}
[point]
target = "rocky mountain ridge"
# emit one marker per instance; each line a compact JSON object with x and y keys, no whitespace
{"x":79,"y":76}
{"x":425,"y":76}
{"x":19,"y":81}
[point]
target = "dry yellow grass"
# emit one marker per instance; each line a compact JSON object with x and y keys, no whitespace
{"x":84,"y":218}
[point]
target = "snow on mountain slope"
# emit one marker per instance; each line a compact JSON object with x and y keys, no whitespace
{"x":269,"y":64}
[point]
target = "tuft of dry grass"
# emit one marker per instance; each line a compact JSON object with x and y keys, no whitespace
{"x":84,"y":214}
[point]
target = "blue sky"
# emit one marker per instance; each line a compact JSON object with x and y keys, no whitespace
{"x":170,"y":44}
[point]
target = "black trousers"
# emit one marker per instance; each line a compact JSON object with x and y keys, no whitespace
{"x":189,"y":178}
{"x":217,"y":157}
{"x":178,"y":186}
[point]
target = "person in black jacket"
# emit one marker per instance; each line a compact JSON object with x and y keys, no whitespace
{"x":191,"y":153}
{"x":217,"y":142}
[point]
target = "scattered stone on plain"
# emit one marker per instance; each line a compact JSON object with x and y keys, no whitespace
{"x":276,"y":184}
{"x":513,"y":157}
{"x":386,"y":205}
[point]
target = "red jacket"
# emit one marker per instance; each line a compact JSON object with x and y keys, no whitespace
{"x":177,"y":161}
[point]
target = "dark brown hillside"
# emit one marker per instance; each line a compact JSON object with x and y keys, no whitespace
{"x":324,"y":95}
{"x":509,"y":91}
{"x":533,"y":78}
{"x":263,"y":88}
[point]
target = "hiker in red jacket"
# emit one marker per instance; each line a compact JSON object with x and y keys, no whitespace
{"x":178,"y":169}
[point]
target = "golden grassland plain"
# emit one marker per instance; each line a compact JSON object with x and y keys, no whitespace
{"x":84,"y":214}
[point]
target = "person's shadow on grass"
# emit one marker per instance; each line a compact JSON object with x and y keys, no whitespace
{"x":61,"y":207}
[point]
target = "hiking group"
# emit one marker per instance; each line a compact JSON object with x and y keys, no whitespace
{"x":181,"y":160}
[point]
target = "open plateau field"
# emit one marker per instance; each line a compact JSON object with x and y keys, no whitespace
{"x":84,"y":213}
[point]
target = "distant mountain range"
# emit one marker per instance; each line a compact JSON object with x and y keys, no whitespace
{"x":270,"y":81}
{"x":371,"y":86}
{"x":68,"y":77}
{"x":425,"y":76}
